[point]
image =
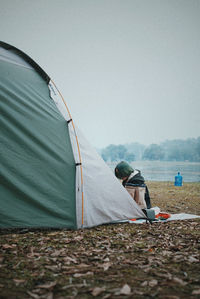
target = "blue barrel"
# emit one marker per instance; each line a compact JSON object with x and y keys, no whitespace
{"x":178,"y":180}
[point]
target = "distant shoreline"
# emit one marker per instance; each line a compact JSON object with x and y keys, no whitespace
{"x":161,"y":171}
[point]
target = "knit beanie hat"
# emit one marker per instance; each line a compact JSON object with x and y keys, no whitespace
{"x":123,"y":169}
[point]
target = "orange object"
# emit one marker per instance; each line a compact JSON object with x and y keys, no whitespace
{"x":163,"y":215}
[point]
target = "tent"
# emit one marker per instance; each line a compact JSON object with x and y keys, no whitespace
{"x":50,"y":176}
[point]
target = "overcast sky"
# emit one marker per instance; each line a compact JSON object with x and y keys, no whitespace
{"x":129,"y":70}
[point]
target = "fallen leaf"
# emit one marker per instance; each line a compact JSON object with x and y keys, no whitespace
{"x":49,"y":296}
{"x":192,"y":259}
{"x":32,"y":253}
{"x":180,"y":281}
{"x":116,"y":291}
{"x":18,"y":281}
{"x":106,"y":266}
{"x":78,"y":238}
{"x":35,"y":296}
{"x":125,"y":290}
{"x":47,"y":285}
{"x":153,"y":283}
{"x":164,"y":275}
{"x":97,"y":291}
{"x":196,"y":292}
{"x":7,"y":246}
{"x":77,"y":275}
{"x":66,"y":240}
{"x":80,"y":285}
{"x":166,"y":253}
{"x":68,"y":260}
{"x":144,"y":283}
{"x":58,"y":252}
{"x":53,"y":234}
{"x":82,"y":266}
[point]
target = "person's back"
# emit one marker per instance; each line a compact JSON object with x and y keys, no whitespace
{"x":134,"y":183}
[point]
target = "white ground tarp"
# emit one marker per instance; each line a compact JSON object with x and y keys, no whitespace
{"x":180,"y":216}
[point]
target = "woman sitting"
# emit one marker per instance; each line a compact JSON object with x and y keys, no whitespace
{"x":134,"y":183}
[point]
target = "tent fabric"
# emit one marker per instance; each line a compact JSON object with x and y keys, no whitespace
{"x":11,"y":57}
{"x":50,"y":175}
{"x":15,"y":55}
{"x":37,"y":164}
{"x":61,"y":105}
{"x":105,"y":199}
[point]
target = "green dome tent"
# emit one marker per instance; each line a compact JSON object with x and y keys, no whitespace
{"x":50,"y":176}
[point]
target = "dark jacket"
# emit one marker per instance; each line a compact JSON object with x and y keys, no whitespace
{"x":136,"y":180}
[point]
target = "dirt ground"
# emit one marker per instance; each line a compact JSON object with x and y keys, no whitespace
{"x":110,"y":261}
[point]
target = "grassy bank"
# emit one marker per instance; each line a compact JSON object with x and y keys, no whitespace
{"x":176,"y":199}
{"x":110,"y":261}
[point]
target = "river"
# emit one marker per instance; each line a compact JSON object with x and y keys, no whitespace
{"x":166,"y":171}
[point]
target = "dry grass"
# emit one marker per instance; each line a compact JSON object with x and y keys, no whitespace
{"x":176,"y":199}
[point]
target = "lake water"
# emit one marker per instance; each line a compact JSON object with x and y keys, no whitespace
{"x":166,"y":171}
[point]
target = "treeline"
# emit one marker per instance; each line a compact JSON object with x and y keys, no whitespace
{"x":170,"y":150}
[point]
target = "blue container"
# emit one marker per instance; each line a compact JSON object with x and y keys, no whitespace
{"x":178,"y":180}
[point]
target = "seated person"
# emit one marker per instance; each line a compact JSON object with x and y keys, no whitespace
{"x":134,"y":183}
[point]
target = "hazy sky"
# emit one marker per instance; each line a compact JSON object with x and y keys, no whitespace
{"x":129,"y":70}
